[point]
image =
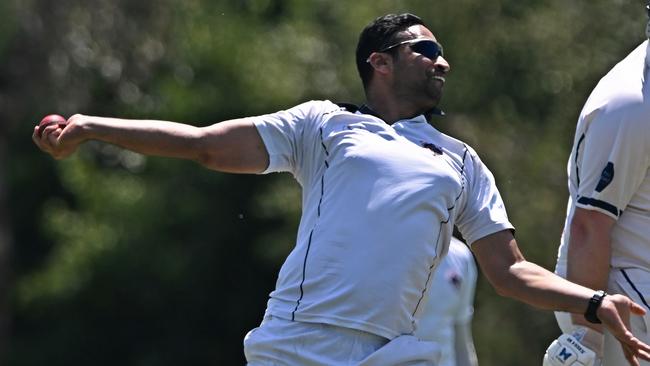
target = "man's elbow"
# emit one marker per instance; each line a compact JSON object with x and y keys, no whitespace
{"x":503,"y":288}
{"x":508,"y":282}
{"x":503,"y":284}
{"x":205,"y":151}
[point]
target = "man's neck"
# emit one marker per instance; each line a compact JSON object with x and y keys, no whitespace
{"x":390,"y":111}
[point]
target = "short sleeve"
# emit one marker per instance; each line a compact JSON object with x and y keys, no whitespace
{"x":286,"y":133}
{"x":483,"y":212}
{"x":611,"y":163}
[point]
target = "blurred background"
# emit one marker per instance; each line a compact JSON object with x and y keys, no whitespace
{"x":112,"y":258}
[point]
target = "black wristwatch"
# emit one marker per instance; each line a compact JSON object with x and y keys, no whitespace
{"x":594,"y":304}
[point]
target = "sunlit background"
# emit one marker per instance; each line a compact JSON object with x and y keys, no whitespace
{"x":112,"y":258}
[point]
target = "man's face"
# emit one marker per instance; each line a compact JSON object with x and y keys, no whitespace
{"x":418,"y":78}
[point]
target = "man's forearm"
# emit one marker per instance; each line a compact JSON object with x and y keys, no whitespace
{"x":539,"y":287}
{"x":148,"y":137}
{"x":513,"y":276}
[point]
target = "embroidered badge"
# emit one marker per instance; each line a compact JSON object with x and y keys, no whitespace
{"x":606,"y":177}
{"x":435,"y":149}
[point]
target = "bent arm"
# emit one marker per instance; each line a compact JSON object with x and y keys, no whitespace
{"x":232,"y":146}
{"x":512,"y":276}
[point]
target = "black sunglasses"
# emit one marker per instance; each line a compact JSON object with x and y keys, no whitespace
{"x":426,"y":47}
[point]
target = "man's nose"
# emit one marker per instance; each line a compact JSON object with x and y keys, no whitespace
{"x":442,"y":65}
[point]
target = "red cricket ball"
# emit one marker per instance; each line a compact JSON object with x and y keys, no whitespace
{"x":49,"y":120}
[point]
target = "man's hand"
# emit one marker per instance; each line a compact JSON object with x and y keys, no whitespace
{"x":614,"y":313}
{"x":57,"y":140}
{"x":568,"y":351}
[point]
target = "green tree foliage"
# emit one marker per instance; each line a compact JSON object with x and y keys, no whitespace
{"x":123,"y":259}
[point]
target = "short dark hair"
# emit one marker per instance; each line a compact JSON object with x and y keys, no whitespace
{"x":379,"y":34}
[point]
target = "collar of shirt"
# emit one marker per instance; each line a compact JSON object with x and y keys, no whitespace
{"x":364,"y":109}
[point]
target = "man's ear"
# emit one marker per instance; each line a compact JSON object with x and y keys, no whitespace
{"x":381,"y":62}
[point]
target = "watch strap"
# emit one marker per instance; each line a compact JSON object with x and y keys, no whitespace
{"x":594,"y":304}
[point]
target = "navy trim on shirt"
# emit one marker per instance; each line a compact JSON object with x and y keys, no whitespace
{"x":600,"y":204}
{"x":582,"y":138}
{"x":367,"y":110}
{"x":627,"y":278}
{"x":442,"y":223}
{"x":304,"y":264}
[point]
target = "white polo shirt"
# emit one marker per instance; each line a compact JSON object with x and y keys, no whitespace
{"x":379,"y":204}
{"x":609,"y":163}
{"x":452,"y":301}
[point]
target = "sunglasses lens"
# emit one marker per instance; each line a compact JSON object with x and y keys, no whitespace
{"x":430,"y":49}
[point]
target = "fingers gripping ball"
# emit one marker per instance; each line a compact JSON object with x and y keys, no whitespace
{"x":567,"y":351}
{"x":50,"y":120}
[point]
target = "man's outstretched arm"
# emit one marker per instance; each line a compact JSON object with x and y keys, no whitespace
{"x":232,"y":146}
{"x":512,"y":276}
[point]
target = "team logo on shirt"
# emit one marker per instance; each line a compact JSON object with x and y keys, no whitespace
{"x":606,"y":177}
{"x":435,"y":149}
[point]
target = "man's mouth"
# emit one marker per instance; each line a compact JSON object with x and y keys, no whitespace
{"x":439,"y":78}
{"x":436,"y":75}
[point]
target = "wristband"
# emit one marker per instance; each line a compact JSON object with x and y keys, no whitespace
{"x":594,"y":304}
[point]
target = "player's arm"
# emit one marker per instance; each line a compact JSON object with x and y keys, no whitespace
{"x":231,"y":146}
{"x":512,"y":276}
{"x":589,"y":252}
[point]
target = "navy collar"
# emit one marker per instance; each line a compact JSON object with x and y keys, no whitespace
{"x":428,"y":114}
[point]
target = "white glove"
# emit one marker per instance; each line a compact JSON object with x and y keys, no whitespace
{"x":568,"y":351}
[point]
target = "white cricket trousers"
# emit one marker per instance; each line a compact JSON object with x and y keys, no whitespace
{"x":287,"y":343}
{"x":635,"y":284}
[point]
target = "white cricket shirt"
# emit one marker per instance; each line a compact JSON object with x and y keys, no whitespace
{"x":379,"y":204}
{"x":608,"y":167}
{"x":452,"y":301}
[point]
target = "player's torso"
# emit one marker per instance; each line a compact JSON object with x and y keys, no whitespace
{"x":616,"y":118}
{"x":389,"y":173}
{"x":374,"y":223}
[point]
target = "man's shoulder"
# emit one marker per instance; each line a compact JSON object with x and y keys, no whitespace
{"x":622,"y":89}
{"x":315,"y":106}
{"x":460,"y":148}
{"x":306,"y":115}
{"x":322,"y":108}
{"x":627,"y":107}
